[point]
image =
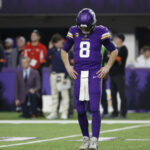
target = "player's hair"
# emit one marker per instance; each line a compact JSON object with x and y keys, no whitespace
{"x":56,"y":37}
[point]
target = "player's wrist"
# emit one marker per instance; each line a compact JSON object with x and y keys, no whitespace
{"x":68,"y":65}
{"x":108,"y":66}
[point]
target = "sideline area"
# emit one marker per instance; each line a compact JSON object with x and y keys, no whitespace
{"x":72,"y":121}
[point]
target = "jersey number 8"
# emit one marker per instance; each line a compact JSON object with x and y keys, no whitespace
{"x":85,"y":49}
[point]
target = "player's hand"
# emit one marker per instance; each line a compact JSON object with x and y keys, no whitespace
{"x":72,"y":73}
{"x":103,"y":72}
{"x":17,"y":102}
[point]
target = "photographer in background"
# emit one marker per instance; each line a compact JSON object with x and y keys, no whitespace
{"x":58,"y":76}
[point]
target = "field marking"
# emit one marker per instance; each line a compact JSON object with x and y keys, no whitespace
{"x":72,"y":136}
{"x":72,"y":121}
{"x":137,"y":140}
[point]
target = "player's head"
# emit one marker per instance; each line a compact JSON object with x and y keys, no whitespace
{"x":35,"y":36}
{"x":86,"y":20}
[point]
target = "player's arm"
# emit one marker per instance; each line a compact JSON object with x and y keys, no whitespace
{"x":114,"y":52}
{"x":65,"y":58}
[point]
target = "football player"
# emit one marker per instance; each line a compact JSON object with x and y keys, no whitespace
{"x":87,"y":72}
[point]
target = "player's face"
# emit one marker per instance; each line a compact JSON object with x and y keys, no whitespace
{"x":35,"y":37}
{"x":85,"y":30}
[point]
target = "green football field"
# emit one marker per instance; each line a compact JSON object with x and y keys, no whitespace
{"x":130,"y":134}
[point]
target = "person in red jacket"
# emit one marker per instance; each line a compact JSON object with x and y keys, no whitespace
{"x":36,"y":51}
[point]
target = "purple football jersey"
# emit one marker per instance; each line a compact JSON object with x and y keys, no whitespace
{"x":87,"y":48}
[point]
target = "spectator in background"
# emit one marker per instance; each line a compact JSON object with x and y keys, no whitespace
{"x":58,"y":74}
{"x":1,"y":57}
{"x":8,"y":50}
{"x":117,"y":74}
{"x":143,"y":61}
{"x":15,"y":57}
{"x":36,"y":51}
{"x":27,"y":89}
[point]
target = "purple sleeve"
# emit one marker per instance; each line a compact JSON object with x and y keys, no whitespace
{"x":105,"y":33}
{"x":109,"y":45}
{"x":68,"y":44}
{"x":70,"y":34}
{"x":70,"y":40}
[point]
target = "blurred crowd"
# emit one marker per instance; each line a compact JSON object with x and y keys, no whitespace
{"x":31,"y":57}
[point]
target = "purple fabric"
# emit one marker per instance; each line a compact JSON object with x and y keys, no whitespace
{"x":46,"y":89}
{"x":109,"y":45}
{"x":68,"y":44}
{"x":84,"y":125}
{"x":96,"y":124}
{"x":87,"y":49}
{"x":7,"y":84}
{"x":95,"y":94}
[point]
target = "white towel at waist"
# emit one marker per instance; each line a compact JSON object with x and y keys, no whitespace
{"x":84,"y":86}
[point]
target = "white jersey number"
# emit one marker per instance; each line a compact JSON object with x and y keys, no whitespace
{"x":85,"y":49}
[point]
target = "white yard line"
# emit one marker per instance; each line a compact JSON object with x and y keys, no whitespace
{"x":72,"y":121}
{"x":137,"y":140}
{"x":72,"y":136}
{"x":125,"y":128}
